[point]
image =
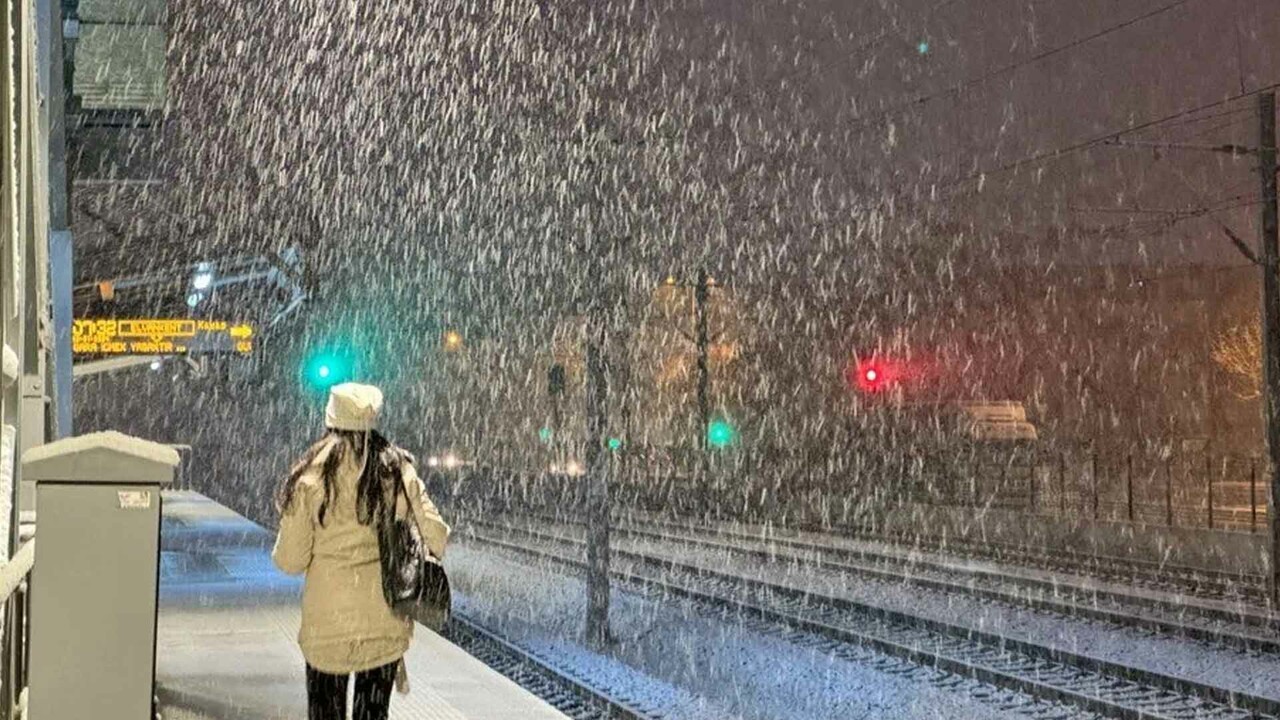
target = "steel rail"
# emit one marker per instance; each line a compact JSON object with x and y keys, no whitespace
{"x":1060,"y":597}
{"x":570,"y":695}
{"x":1088,"y":683}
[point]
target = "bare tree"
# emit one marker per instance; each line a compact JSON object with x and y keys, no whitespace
{"x":1238,"y":350}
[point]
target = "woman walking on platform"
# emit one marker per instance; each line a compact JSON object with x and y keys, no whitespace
{"x":330,"y":506}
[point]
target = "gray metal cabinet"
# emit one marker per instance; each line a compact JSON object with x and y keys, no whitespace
{"x":96,"y":576}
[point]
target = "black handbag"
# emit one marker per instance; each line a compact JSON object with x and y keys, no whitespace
{"x":414,"y":583}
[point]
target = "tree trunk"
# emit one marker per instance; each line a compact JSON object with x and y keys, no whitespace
{"x":597,"y":462}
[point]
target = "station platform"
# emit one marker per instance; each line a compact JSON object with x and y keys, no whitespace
{"x":227,"y":628}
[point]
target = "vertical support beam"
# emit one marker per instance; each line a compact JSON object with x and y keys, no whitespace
{"x":61,"y":280}
{"x":12,"y":271}
{"x":30,"y":229}
{"x":12,"y":315}
{"x":61,"y":275}
{"x":35,"y":113}
{"x":1271,"y":328}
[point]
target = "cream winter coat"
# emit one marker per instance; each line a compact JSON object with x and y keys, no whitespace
{"x":346,"y":624}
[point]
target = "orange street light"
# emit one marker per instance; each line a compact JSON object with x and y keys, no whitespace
{"x":452,"y":340}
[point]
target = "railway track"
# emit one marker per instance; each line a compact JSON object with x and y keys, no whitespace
{"x":1075,"y":685}
{"x":571,"y":695}
{"x":1235,"y":627}
{"x":1238,"y":587}
{"x":1167,"y":577}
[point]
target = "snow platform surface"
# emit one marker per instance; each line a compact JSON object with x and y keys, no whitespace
{"x":226,"y":641}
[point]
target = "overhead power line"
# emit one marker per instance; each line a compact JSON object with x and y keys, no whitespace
{"x":989,"y":75}
{"x":1223,"y":204}
{"x":1098,"y":140}
{"x":1232,"y":149}
{"x":1215,"y":116}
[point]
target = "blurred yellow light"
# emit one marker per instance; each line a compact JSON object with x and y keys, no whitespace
{"x":723,"y":352}
{"x":452,"y":340}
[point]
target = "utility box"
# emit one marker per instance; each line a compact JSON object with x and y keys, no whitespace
{"x":96,"y":575}
{"x":998,"y":421}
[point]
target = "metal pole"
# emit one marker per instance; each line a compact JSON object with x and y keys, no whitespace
{"x":1271,"y":327}
{"x":974,"y":475}
{"x":11,"y":332}
{"x":1128,"y":484}
{"x":59,"y":197}
{"x":902,"y":474}
{"x":1032,"y":478}
{"x":700,"y":293}
{"x":10,"y":659}
{"x":597,"y":483}
{"x":1093,"y":476}
{"x":1253,"y":495}
{"x":21,"y":649}
{"x":1002,"y":487}
{"x":1062,"y":483}
{"x":1208,"y":478}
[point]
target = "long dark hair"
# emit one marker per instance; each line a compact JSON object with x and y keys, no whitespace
{"x":382,"y":472}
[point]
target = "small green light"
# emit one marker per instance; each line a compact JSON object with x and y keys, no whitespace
{"x":326,"y":369}
{"x":615,"y":444}
{"x":923,"y":48}
{"x":544,"y":434}
{"x":720,"y":433}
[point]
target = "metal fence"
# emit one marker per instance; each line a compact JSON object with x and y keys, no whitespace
{"x":13,"y":593}
{"x":1215,"y":491}
{"x":841,"y":485}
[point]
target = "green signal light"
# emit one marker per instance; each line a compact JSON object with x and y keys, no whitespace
{"x":720,"y":434}
{"x":923,"y":48}
{"x":544,"y":434}
{"x":615,"y":443}
{"x":324,"y":370}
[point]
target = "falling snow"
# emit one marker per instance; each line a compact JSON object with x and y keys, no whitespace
{"x":804,"y":263}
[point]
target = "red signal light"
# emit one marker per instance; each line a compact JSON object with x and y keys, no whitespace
{"x":873,"y":376}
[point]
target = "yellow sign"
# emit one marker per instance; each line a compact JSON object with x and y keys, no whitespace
{"x":159,"y":336}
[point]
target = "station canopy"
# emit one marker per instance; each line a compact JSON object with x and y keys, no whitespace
{"x":120,"y":55}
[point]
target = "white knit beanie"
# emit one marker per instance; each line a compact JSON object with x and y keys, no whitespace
{"x":353,"y":406}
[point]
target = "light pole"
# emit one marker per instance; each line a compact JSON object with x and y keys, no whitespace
{"x":702,"y":341}
{"x":704,"y":370}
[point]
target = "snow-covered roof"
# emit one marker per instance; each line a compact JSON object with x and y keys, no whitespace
{"x":110,"y":457}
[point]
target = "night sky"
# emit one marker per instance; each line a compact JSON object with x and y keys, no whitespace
{"x":497,"y":167}
{"x":912,"y":101}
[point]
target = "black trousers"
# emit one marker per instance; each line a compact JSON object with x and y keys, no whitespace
{"x":327,"y":694}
